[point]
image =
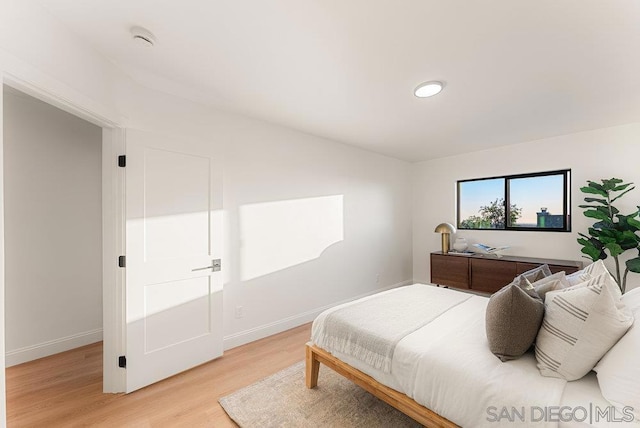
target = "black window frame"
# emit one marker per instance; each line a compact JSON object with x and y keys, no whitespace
{"x":566,"y":214}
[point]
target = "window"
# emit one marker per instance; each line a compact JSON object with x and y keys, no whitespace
{"x":538,"y":201}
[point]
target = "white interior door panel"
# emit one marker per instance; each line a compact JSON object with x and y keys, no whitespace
{"x":173,"y":234}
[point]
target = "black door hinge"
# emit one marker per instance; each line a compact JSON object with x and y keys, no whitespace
{"x":122,"y":261}
{"x":122,"y":161}
{"x":122,"y":361}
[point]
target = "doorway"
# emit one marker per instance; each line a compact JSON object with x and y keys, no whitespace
{"x":53,"y":229}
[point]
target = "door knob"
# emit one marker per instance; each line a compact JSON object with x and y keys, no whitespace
{"x":216,"y":265}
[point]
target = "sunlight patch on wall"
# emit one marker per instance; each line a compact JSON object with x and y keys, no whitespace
{"x":168,"y":264}
{"x":278,"y":235}
{"x":180,"y":235}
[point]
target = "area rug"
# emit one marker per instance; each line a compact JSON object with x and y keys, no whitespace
{"x":283,"y":400}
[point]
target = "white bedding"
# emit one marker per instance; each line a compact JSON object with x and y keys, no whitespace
{"x":371,"y":330}
{"x":447,"y":367}
{"x":585,"y":393}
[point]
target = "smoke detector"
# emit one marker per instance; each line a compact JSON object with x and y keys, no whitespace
{"x":143,"y":37}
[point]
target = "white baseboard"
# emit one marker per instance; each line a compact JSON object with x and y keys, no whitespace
{"x":260,"y":332}
{"x":33,"y":352}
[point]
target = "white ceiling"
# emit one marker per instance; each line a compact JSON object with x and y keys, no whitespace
{"x":515,"y":71}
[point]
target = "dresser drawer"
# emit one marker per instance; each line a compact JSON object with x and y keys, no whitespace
{"x":491,"y":275}
{"x":452,"y":271}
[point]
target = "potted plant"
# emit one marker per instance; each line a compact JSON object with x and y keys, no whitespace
{"x":613,"y":233}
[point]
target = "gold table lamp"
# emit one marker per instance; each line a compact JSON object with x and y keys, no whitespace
{"x":445,"y":229}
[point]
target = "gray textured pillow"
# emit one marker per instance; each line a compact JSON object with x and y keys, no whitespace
{"x":513,"y":319}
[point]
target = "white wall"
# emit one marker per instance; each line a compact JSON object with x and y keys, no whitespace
{"x":593,"y":155}
{"x":375,"y":194}
{"x":274,"y":172}
{"x":53,"y":235}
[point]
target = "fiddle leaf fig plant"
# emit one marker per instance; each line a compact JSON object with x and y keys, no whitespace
{"x":612,"y":233}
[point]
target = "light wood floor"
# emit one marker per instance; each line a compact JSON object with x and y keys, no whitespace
{"x":65,"y":390}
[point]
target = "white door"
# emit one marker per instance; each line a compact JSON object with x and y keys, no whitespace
{"x":173,"y":234}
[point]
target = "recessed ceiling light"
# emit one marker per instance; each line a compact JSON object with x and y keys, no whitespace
{"x":143,"y":37}
{"x":428,"y":89}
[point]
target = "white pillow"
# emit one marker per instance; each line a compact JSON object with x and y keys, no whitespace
{"x":580,"y":325}
{"x":557,"y":281}
{"x":593,"y":270}
{"x":596,"y":268}
{"x":619,"y":370}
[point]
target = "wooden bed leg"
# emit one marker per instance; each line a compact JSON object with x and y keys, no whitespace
{"x":312,"y":369}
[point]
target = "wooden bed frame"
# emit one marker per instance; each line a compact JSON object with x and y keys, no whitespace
{"x":315,"y":356}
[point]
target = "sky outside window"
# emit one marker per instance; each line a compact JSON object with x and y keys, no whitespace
{"x":479,"y":193}
{"x":531,"y":194}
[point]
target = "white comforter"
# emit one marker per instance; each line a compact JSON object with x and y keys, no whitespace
{"x":447,"y":367}
{"x":371,"y":330}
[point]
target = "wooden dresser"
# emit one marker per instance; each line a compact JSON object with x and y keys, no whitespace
{"x":487,"y":273}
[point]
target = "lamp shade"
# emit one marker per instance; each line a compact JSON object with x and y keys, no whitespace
{"x":445,"y":228}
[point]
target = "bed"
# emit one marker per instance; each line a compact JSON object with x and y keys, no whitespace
{"x":442,"y":374}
